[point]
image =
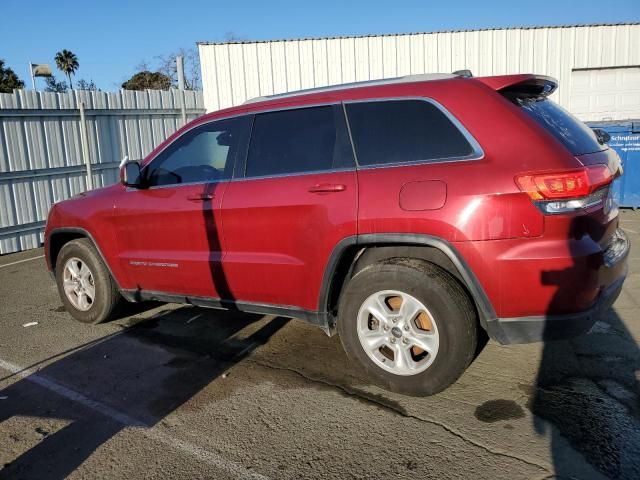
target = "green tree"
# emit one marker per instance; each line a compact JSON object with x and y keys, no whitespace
{"x":147,"y":80}
{"x":54,"y":86}
{"x":67,"y":63}
{"x":8,"y":79}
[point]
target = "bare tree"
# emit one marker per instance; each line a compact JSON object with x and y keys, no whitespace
{"x":143,"y":66}
{"x":55,"y":86}
{"x":167,"y":66}
{"x":192,"y":76}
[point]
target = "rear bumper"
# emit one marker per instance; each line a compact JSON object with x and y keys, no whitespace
{"x":508,"y":331}
{"x":612,"y":272}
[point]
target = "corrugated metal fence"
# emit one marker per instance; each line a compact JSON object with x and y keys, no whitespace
{"x":41,"y":159}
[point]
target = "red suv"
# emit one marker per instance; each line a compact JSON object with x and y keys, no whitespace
{"x":410,"y":215}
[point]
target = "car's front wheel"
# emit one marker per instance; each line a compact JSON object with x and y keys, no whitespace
{"x":410,"y":324}
{"x":86,"y":287}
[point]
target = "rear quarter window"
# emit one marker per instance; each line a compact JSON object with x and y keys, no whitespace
{"x":397,"y":131}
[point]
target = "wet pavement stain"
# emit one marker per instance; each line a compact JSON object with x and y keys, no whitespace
{"x":498,"y":410}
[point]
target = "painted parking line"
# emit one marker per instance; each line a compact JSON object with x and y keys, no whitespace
{"x":213,"y":459}
{"x":21,"y":261}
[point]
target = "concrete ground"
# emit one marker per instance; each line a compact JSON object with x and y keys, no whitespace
{"x":181,"y":392}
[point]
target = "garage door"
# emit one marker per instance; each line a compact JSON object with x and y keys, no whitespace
{"x":606,"y":94}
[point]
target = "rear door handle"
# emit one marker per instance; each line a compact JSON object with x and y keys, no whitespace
{"x":200,"y":197}
{"x":327,"y":188}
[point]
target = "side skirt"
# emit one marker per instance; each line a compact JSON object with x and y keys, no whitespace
{"x":319,"y":319}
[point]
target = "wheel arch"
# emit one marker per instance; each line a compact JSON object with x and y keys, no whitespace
{"x":59,"y":237}
{"x":353,"y":253}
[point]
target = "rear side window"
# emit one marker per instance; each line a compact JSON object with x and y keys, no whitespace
{"x":394,"y":131}
{"x":572,"y":133}
{"x":298,"y":141}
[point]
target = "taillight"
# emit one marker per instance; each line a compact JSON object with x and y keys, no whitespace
{"x":554,"y":185}
{"x":568,"y":190}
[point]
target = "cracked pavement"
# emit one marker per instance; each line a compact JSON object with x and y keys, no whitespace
{"x":182,"y":392}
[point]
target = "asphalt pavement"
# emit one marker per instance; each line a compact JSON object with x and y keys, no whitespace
{"x":170,"y":391}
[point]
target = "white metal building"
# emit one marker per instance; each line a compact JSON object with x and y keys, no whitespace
{"x":597,"y":66}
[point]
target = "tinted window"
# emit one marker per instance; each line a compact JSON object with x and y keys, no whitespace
{"x":571,"y":132}
{"x":204,"y":154}
{"x":297,"y":141}
{"x":403,"y":131}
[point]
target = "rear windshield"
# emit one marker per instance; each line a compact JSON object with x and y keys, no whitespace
{"x":572,"y":133}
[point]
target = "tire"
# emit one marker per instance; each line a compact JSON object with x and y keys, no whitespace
{"x":106,"y":297}
{"x":450,"y":327}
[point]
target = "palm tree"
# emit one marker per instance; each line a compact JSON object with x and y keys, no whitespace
{"x":67,"y":63}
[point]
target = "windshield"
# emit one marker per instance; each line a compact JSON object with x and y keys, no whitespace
{"x":572,"y":133}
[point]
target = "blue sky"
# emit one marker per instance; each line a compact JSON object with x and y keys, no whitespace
{"x":111,"y":37}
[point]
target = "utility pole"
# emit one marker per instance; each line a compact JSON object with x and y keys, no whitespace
{"x":180,"y":68}
{"x":85,"y":147}
{"x":33,"y":78}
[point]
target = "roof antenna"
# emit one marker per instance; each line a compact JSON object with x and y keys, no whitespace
{"x":463,"y":73}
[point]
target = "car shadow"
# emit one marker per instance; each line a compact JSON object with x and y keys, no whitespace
{"x":587,"y":394}
{"x":132,"y":379}
{"x":135,"y":378}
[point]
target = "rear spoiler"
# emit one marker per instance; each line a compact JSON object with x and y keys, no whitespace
{"x":524,"y":85}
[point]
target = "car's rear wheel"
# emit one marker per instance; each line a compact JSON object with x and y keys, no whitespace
{"x":410,"y":324}
{"x":86,"y":287}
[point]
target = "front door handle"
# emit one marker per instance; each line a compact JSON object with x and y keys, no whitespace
{"x":200,"y":197}
{"x":327,"y":188}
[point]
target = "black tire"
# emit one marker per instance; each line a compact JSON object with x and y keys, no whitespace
{"x":107,"y":297}
{"x":448,"y":303}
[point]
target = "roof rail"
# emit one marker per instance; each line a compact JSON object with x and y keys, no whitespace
{"x":367,"y":83}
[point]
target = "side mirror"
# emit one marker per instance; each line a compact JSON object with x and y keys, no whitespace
{"x":130,"y":174}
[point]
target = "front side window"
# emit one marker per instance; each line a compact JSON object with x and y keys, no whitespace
{"x":396,"y":131}
{"x":204,"y":154}
{"x":297,"y":141}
